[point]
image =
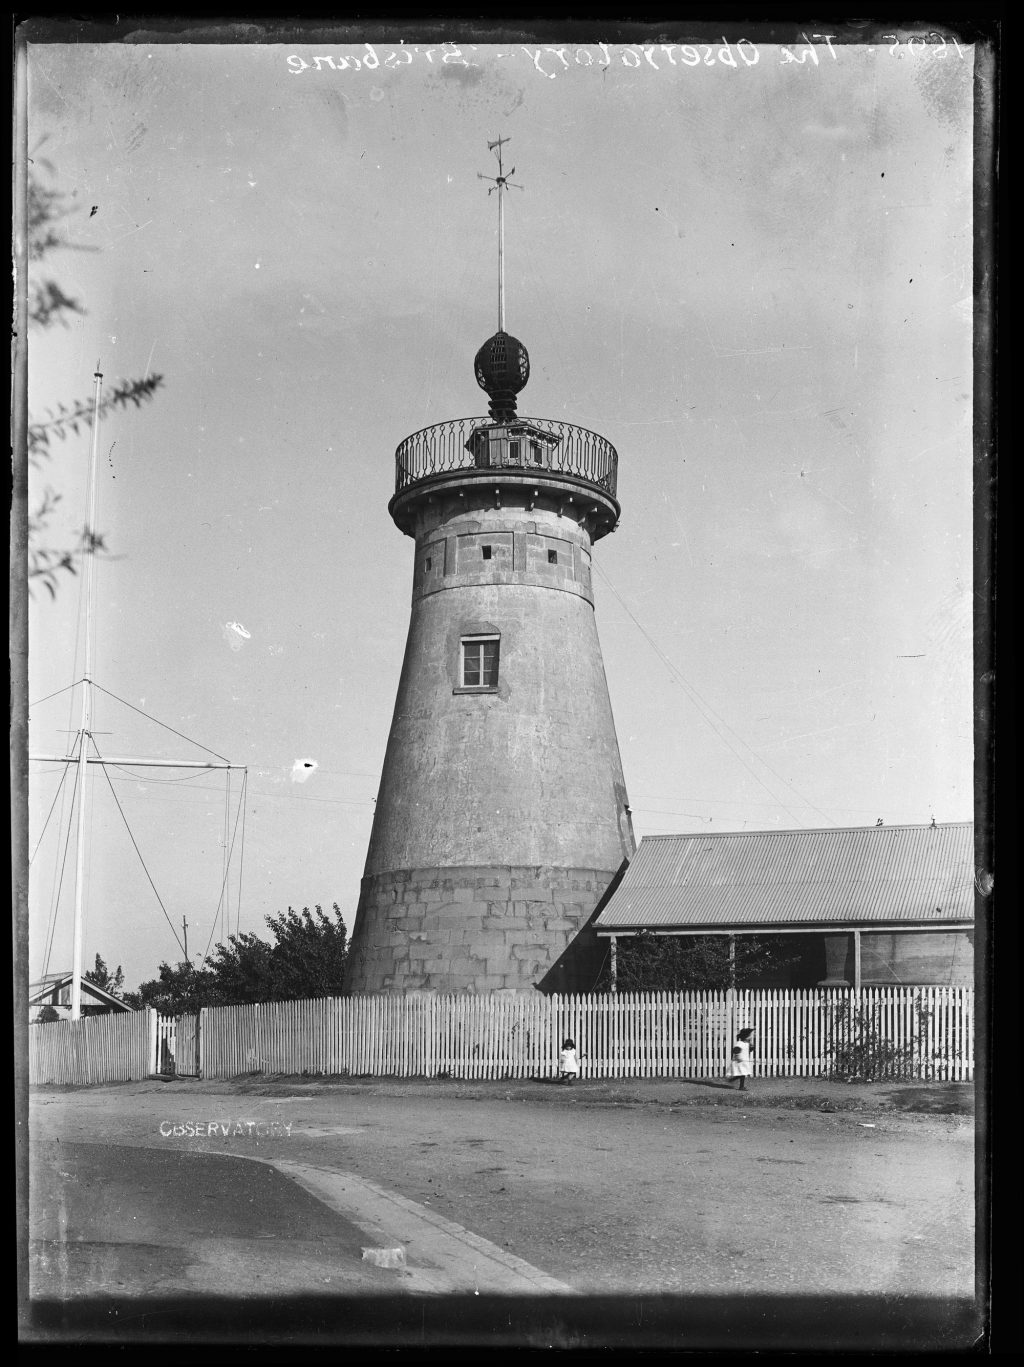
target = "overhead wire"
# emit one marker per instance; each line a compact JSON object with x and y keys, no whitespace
{"x":144,"y":778}
{"x":60,"y":787}
{"x":704,"y":708}
{"x":39,"y":701}
{"x":259,"y":792}
{"x":227,"y":822}
{"x":60,"y":883}
{"x":722,"y":802}
{"x":180,"y":734}
{"x":62,"y":790}
{"x":213,"y":926}
{"x":241,"y":852}
{"x":708,"y":713}
{"x":142,"y":861}
{"x":192,"y":779}
{"x":56,"y":885}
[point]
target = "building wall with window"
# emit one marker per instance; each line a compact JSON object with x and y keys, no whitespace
{"x":867,"y":906}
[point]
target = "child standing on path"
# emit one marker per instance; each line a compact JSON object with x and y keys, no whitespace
{"x":741,"y":1065}
{"x":568,"y":1063}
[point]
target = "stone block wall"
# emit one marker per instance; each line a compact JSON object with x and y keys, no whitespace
{"x":477,"y":929}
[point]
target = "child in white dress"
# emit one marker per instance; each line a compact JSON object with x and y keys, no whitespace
{"x":741,"y":1065}
{"x":568,"y":1063}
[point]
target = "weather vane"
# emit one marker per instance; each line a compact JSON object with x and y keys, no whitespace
{"x":500,"y":182}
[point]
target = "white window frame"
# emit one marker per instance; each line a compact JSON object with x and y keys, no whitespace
{"x":478,"y":640}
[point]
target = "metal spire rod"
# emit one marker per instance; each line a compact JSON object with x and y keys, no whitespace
{"x":501,"y":182}
{"x":90,"y":528}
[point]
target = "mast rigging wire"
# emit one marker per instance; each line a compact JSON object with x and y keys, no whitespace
{"x":60,"y":884}
{"x":181,"y":736}
{"x":213,"y":927}
{"x":142,"y":861}
{"x":241,"y":852}
{"x":60,"y":786}
{"x":39,"y":701}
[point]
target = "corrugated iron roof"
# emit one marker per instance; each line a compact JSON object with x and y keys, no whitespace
{"x":863,"y":874}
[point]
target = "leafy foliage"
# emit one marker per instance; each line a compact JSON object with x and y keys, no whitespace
{"x":694,"y":963}
{"x":49,"y":304}
{"x":306,"y":959}
{"x":47,"y":206}
{"x":101,"y":976}
{"x":68,"y":420}
{"x":310,"y":953}
{"x":242,"y":971}
{"x":859,"y":1046}
{"x":177,"y":989}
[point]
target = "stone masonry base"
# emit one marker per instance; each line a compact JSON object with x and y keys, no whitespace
{"x":476,"y":930}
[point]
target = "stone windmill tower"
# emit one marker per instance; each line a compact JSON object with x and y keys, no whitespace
{"x":502,"y":813}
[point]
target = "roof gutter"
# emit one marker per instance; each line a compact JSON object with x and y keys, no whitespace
{"x":768,"y":927}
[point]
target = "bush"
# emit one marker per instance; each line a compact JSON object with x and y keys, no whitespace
{"x":859,"y":1049}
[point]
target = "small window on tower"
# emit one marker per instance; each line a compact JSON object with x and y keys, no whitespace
{"x":535,"y":452}
{"x":427,"y":565}
{"x":480,"y":661}
{"x":552,"y":557}
{"x":486,"y":552}
{"x":513,"y":452}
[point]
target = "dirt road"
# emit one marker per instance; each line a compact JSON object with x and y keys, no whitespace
{"x":602,"y":1193}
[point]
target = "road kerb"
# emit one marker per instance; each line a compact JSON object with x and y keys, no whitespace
{"x":441,"y":1255}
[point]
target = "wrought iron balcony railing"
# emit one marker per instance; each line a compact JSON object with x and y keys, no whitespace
{"x":540,"y":445}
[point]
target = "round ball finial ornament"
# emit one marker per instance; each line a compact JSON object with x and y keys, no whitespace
{"x":502,"y":368}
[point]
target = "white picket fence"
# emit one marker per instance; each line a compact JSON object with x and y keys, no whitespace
{"x":645,"y":1034}
{"x":928,"y":1032}
{"x":113,"y":1048}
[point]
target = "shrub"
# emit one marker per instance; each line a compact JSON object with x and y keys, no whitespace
{"x":859,"y":1049}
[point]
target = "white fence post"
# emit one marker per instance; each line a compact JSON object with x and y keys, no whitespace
{"x":154,"y":1043}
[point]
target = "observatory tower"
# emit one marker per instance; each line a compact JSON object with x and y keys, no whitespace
{"x":502,"y":814}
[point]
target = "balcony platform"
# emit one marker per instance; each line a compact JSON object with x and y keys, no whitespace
{"x":518,"y":460}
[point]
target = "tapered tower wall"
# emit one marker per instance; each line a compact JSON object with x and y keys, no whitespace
{"x":502,"y":813}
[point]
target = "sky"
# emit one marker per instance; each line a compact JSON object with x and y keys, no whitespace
{"x":755,"y":280}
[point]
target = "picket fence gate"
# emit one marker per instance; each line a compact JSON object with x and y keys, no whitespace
{"x":919,"y":1032}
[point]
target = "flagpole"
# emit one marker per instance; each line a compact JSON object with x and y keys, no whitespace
{"x":84,"y":732}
